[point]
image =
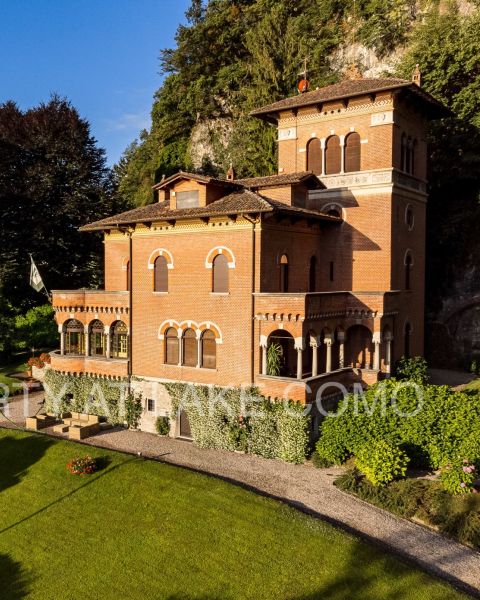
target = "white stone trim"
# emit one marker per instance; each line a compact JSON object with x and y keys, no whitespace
{"x":160,"y":252}
{"x":220,"y":250}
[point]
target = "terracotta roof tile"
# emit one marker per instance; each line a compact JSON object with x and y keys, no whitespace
{"x":239,"y":202}
{"x":346,"y":89}
{"x":279,"y":180}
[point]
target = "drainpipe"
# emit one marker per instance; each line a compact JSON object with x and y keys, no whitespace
{"x":254,"y":222}
{"x":130,"y":309}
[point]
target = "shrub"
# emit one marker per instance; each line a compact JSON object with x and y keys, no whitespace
{"x":458,"y":477}
{"x":320,"y":461}
{"x":85,"y":465}
{"x":382,"y":462}
{"x":412,"y":369}
{"x":162,"y":425}
{"x":274,"y":359}
{"x":133,"y":410}
{"x":440,"y":426}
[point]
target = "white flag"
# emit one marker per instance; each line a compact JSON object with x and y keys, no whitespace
{"x":35,"y":277}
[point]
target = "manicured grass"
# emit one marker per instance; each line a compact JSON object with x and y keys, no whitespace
{"x":17,"y":365}
{"x":138,"y":529}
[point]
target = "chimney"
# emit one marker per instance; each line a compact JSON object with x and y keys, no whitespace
{"x":231,"y":173}
{"x":417,"y":76}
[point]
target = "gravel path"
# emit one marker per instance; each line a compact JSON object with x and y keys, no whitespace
{"x":304,"y":487}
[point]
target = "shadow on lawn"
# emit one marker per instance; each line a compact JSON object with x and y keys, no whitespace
{"x":17,"y":455}
{"x":91,"y":479}
{"x":14,"y":582}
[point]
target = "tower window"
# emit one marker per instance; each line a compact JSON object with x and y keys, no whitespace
{"x":332,"y":271}
{"x":312,"y":275}
{"x":333,"y":158}
{"x":284,"y":273}
{"x":408,"y":269}
{"x":352,"y":152}
{"x":314,"y":156}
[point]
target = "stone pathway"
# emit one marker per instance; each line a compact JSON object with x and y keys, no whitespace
{"x":306,"y":488}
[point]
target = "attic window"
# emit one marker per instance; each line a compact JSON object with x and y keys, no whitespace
{"x":187,"y":199}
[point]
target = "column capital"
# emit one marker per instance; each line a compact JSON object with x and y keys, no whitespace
{"x":377,"y":337}
{"x":263,"y":341}
{"x":299,"y":343}
{"x":341,"y":336}
{"x":328,"y":339}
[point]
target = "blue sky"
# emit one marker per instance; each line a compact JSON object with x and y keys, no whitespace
{"x":101,"y":54}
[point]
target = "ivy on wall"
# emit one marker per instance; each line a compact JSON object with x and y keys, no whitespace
{"x":92,"y":395}
{"x":242,"y":419}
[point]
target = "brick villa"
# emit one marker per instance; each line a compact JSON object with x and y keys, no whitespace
{"x":325,"y":259}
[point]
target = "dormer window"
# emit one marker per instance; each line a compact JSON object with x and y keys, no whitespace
{"x":187,"y":199}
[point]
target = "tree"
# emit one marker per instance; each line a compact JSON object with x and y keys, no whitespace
{"x":37,"y":328}
{"x":53,"y":179}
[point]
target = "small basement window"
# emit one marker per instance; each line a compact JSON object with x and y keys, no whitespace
{"x":187,"y":199}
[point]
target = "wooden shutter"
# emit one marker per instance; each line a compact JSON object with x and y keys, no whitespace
{"x":160,"y":271}
{"x":314,"y":156}
{"x":332,"y":155}
{"x":284,"y":273}
{"x":220,"y":274}
{"x":209,"y":350}
{"x":171,"y":346}
{"x":190,"y":348}
{"x":352,"y":152}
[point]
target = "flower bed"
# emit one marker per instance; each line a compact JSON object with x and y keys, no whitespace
{"x":85,"y":465}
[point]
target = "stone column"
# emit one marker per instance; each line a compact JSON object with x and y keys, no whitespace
{"x":62,"y":340}
{"x":314,"y":345}
{"x":388,"y":354}
{"x":180,"y":348}
{"x":328,"y":342}
{"x":299,"y":363}
{"x":342,"y":154}
{"x":108,"y":349}
{"x":376,"y":355}
{"x":198,"y":333}
{"x":322,"y":146}
{"x":299,"y":347}
{"x":87,"y":341}
{"x":264,"y":347}
{"x":341,"y":349}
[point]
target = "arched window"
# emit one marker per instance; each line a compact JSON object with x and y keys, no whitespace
{"x":97,"y":338}
{"x":352,"y":152}
{"x":190,"y":354}
{"x":408,"y":332}
{"x":127,"y":275}
{"x":408,"y":155}
{"x":332,"y":270}
{"x":220,"y":274}
{"x":408,"y":269}
{"x":403,"y":155}
{"x":171,"y":346}
{"x":209,"y":350}
{"x":284,"y":273}
{"x":74,"y":337}
{"x":333,"y":157}
{"x":119,"y":340}
{"x":312,"y":275}
{"x":412,"y":157}
{"x":160,"y":274}
{"x":314,"y":156}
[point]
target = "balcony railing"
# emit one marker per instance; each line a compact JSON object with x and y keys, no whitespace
{"x":317,"y":305}
{"x":90,"y":301}
{"x":94,"y":365}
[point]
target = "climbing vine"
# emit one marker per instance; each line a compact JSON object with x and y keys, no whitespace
{"x":242,"y":419}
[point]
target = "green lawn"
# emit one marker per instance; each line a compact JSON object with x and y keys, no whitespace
{"x":143,"y":530}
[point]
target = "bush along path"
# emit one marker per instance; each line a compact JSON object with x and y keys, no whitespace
{"x":310,"y":490}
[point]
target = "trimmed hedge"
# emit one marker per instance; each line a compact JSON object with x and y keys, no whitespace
{"x":441,"y":430}
{"x":242,"y":419}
